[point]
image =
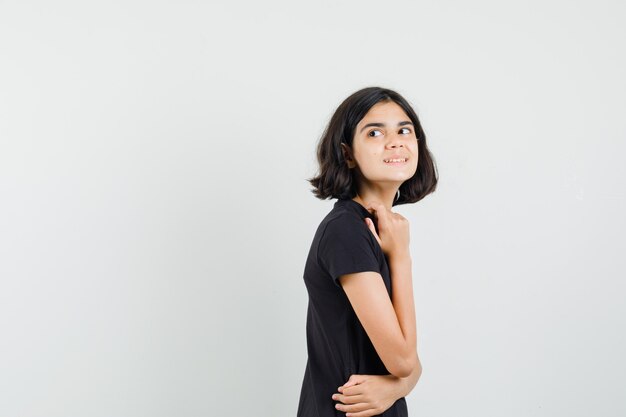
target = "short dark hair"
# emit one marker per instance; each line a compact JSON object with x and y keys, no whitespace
{"x":336,"y":180}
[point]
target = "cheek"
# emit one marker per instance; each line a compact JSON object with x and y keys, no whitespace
{"x":370,"y":156}
{"x":371,"y":164}
{"x":372,"y":161}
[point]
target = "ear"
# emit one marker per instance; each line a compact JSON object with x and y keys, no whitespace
{"x":347,"y":154}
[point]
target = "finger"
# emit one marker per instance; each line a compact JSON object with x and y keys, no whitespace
{"x":370,"y":225}
{"x":353,"y":390}
{"x":374,"y":206}
{"x":366,"y":413}
{"x":349,"y":399}
{"x":353,"y":408}
{"x":380,"y":212}
{"x":356,"y":379}
{"x":351,"y":381}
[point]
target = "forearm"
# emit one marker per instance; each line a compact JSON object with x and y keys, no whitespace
{"x":407,"y":384}
{"x":403,"y":386}
{"x":403,"y":303}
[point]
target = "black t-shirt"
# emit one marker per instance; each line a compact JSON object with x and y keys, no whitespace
{"x":337,"y":343}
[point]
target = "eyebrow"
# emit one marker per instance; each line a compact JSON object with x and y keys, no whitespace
{"x":403,"y":123}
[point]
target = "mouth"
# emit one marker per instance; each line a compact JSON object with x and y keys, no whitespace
{"x":395,"y":161}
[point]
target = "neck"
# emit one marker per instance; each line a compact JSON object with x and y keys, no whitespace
{"x":385,"y":195}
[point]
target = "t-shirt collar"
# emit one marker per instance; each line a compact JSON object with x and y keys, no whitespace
{"x":355,"y":206}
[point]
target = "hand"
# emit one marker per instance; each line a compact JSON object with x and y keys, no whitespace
{"x":393,"y":229}
{"x":368,"y":395}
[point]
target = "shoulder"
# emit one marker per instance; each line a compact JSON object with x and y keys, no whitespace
{"x":345,"y":228}
{"x":347,"y":246}
{"x":343,"y":222}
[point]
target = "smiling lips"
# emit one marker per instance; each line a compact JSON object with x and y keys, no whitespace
{"x":396,"y":160}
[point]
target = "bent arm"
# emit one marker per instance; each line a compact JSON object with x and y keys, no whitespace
{"x":400,"y":267}
{"x":389,"y":323}
{"x":408,"y":383}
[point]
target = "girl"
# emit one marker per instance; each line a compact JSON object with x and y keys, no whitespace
{"x":360,"y":326}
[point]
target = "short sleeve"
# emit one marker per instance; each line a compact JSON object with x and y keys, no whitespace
{"x":347,"y":247}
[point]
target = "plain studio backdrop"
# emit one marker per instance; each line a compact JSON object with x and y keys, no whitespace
{"x":155,"y":215}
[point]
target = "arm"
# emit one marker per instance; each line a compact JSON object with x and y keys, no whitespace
{"x":402,"y":299}
{"x":385,"y":324}
{"x":402,"y":294}
{"x":407,"y":384}
{"x":347,"y":252}
{"x":371,"y":395}
{"x":389,"y":323}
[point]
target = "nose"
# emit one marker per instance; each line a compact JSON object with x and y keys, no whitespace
{"x":396,"y":142}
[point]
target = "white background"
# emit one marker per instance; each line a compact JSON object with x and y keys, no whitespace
{"x":155,"y":215}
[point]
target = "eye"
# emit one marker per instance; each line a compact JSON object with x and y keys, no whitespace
{"x":372,"y":131}
{"x":407,"y":129}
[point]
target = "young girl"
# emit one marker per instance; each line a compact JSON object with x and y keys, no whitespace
{"x":361,"y":332}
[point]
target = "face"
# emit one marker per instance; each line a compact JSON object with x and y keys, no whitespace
{"x":385,"y":132}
